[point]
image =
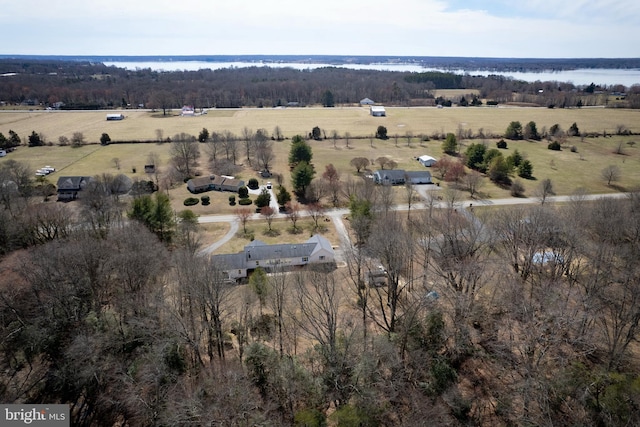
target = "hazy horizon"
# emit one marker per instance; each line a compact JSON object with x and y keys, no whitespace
{"x":440,"y":28}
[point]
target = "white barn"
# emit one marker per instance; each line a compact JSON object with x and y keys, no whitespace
{"x":377,"y":111}
{"x":118,"y":116}
{"x":427,"y":161}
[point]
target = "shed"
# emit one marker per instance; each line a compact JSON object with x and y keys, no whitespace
{"x":366,"y":101}
{"x":427,"y":161}
{"x":377,"y":111}
{"x":118,"y":116}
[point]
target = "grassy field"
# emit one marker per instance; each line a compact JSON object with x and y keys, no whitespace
{"x":141,"y":125}
{"x":568,"y":170}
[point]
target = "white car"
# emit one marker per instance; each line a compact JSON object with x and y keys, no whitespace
{"x":48,"y":169}
{"x":269,"y":185}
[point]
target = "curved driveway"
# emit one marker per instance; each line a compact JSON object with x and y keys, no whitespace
{"x":337,"y":214}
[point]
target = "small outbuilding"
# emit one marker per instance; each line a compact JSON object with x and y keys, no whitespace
{"x":377,"y":111}
{"x":115,"y":116}
{"x":366,"y":101}
{"x":427,"y":161}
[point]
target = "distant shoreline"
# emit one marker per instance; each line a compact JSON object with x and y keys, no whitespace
{"x":459,"y":63}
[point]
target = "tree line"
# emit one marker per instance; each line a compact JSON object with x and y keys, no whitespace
{"x":88,"y":85}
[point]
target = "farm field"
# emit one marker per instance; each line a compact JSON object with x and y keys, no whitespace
{"x":141,"y":125}
{"x":568,"y":170}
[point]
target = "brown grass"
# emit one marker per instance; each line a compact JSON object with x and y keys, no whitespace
{"x":567,"y":170}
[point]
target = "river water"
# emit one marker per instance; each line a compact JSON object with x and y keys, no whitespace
{"x":599,"y":76}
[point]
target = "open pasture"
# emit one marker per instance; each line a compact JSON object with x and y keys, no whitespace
{"x":142,"y":125}
{"x":568,"y":170}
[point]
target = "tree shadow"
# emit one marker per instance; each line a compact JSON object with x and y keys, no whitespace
{"x":271,"y":233}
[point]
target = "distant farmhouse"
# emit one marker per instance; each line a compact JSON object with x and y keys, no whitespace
{"x":188,"y":111}
{"x":377,"y":111}
{"x":214,"y":182}
{"x":257,"y":254}
{"x":69,"y":187}
{"x":400,"y":177}
{"x":114,"y":116}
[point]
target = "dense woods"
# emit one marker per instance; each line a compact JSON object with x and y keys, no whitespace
{"x":526,"y":315}
{"x":91,"y":85}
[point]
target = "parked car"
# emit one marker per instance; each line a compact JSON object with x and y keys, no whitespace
{"x":269,"y":185}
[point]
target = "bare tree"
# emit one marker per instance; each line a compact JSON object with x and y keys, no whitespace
{"x":347,"y":137}
{"x":268,"y":213}
{"x":544,"y":190}
{"x":116,"y":162}
{"x":317,"y":298}
{"x":332,"y":178}
{"x":248,"y":138}
{"x":184,"y":156}
{"x":293,"y":213}
{"x":410,"y":193}
{"x":473,"y":182}
{"x":334,"y":137}
{"x":277,"y":134}
{"x":391,"y":243}
{"x":359,"y":163}
{"x":315,"y":211}
{"x":229,"y":146}
{"x":611,"y":174}
{"x":243,"y":215}
{"x":264,"y":154}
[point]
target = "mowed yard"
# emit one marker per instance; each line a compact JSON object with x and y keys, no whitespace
{"x":568,"y":170}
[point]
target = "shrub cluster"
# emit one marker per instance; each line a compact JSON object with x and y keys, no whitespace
{"x":244,"y":202}
{"x":190,"y":201}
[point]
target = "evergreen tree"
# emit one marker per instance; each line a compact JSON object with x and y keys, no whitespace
{"x":327,"y":99}
{"x":450,"y":144}
{"x":475,"y":156}
{"x":263,"y":199}
{"x":283,"y":196}
{"x":514,"y":131}
{"x":573,"y":130}
{"x":34,"y":139}
{"x":300,"y":151}
{"x":525,"y":169}
{"x":381,"y":132}
{"x":105,"y":139}
{"x":301,"y":177}
{"x":156,"y":214}
{"x":531,"y":131}
{"x":204,"y":135}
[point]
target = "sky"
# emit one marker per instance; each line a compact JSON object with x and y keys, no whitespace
{"x":470,"y":28}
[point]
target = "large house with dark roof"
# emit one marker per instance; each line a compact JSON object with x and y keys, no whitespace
{"x":399,"y":177}
{"x":214,"y":182}
{"x":257,"y":254}
{"x":69,"y":187}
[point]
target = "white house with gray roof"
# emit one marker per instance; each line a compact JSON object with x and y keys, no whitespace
{"x":316,"y":250}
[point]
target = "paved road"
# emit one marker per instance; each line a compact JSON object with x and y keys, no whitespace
{"x":337,"y":214}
